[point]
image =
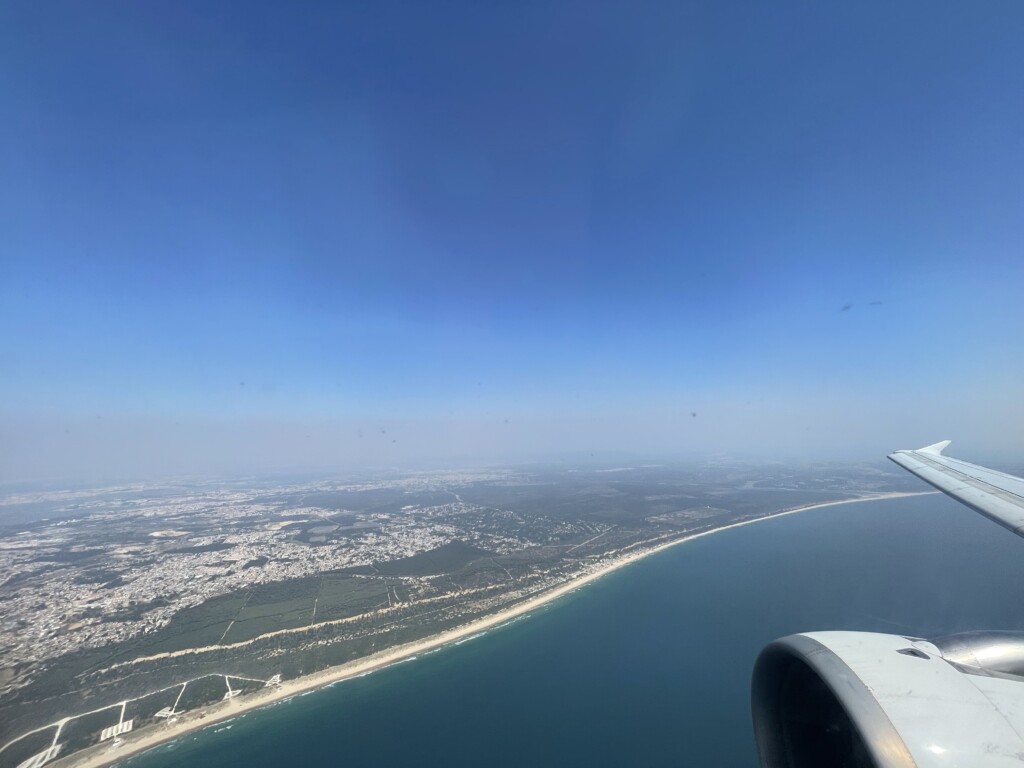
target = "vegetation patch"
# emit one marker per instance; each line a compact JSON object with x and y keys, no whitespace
{"x":444,"y":559}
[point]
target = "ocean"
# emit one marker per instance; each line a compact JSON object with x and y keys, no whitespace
{"x":650,"y":665}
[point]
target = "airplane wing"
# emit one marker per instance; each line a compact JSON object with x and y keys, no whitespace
{"x":996,"y":495}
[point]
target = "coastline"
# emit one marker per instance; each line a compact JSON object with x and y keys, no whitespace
{"x":100,"y":756}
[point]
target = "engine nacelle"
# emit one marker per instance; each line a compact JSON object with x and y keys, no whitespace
{"x":860,"y":699}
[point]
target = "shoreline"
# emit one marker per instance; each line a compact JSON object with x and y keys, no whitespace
{"x":101,"y":756}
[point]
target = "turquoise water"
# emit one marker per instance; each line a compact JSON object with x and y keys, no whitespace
{"x":650,"y":665}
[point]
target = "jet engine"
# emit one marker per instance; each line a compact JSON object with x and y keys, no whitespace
{"x":860,"y":699}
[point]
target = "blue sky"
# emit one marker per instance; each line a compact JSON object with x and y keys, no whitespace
{"x":248,"y":236}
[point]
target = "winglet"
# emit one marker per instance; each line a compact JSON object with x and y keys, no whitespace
{"x":935,"y":449}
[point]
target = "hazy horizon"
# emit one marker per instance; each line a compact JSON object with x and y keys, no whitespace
{"x":110,"y":450}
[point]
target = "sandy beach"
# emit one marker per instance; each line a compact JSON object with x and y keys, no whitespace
{"x":152,"y":736}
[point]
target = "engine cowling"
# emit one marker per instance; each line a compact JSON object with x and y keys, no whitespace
{"x":861,"y":699}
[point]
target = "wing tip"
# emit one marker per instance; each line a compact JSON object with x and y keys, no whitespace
{"x":935,"y":449}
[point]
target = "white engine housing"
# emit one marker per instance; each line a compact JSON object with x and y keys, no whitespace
{"x":858,"y":699}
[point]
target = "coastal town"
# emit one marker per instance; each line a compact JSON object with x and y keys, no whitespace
{"x":132,"y":569}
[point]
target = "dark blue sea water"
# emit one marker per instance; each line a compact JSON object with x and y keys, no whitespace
{"x":650,"y":665}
